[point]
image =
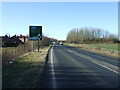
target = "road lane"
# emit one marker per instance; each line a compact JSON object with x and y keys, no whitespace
{"x":100,"y":57}
{"x":101,"y":63}
{"x":68,"y":70}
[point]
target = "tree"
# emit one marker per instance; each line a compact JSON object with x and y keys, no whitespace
{"x":90,"y":35}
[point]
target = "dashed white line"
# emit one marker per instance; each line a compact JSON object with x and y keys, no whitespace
{"x":53,"y":72}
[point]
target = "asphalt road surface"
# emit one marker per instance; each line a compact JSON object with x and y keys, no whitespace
{"x":70,"y":67}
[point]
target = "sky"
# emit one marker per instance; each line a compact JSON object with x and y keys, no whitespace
{"x":58,"y":18}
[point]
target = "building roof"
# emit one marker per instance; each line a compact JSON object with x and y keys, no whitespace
{"x":22,"y":36}
{"x":13,"y":39}
{"x":4,"y":38}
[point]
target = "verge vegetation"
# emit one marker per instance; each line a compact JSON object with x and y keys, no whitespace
{"x":22,"y":66}
{"x":106,"y":49}
{"x":24,"y":71}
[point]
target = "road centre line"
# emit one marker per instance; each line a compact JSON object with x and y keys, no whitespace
{"x":96,"y":61}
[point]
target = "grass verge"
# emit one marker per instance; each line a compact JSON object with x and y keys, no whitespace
{"x":104,"y":46}
{"x":25,"y":71}
{"x":106,"y":49}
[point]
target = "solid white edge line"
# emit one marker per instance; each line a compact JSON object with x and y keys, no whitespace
{"x":106,"y":67}
{"x":97,"y":63}
{"x":53,"y":73}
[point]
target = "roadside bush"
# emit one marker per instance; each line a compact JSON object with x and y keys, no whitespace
{"x":12,"y":53}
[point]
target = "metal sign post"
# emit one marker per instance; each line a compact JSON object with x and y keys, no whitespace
{"x":38,"y":37}
{"x":33,"y":46}
{"x":38,"y":45}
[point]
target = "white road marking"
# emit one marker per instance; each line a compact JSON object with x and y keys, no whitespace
{"x":95,"y":61}
{"x":106,"y":67}
{"x":53,"y":72}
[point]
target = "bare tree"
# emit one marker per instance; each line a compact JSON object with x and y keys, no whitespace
{"x":89,"y":35}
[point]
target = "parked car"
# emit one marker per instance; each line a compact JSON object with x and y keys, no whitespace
{"x":73,"y":42}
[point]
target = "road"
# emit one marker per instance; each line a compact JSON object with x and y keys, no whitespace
{"x":70,"y":67}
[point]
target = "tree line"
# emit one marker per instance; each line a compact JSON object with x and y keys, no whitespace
{"x":90,"y":35}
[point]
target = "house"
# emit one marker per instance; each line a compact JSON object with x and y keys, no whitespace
{"x":23,"y":38}
{"x":4,"y":39}
{"x":13,"y":41}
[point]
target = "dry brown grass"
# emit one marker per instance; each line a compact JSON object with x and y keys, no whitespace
{"x":97,"y":50}
{"x":25,"y":71}
{"x":12,"y":53}
{"x":101,"y":51}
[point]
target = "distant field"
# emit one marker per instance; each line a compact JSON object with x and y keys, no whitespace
{"x":104,"y":46}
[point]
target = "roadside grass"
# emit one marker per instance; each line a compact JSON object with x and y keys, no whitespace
{"x":106,"y":49}
{"x":9,"y":48}
{"x":25,"y":71}
{"x":104,"y":46}
{"x":12,"y":53}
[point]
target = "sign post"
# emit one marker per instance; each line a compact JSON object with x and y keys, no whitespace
{"x":38,"y":45}
{"x":35,"y":34}
{"x":33,"y":46}
{"x":38,"y":37}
